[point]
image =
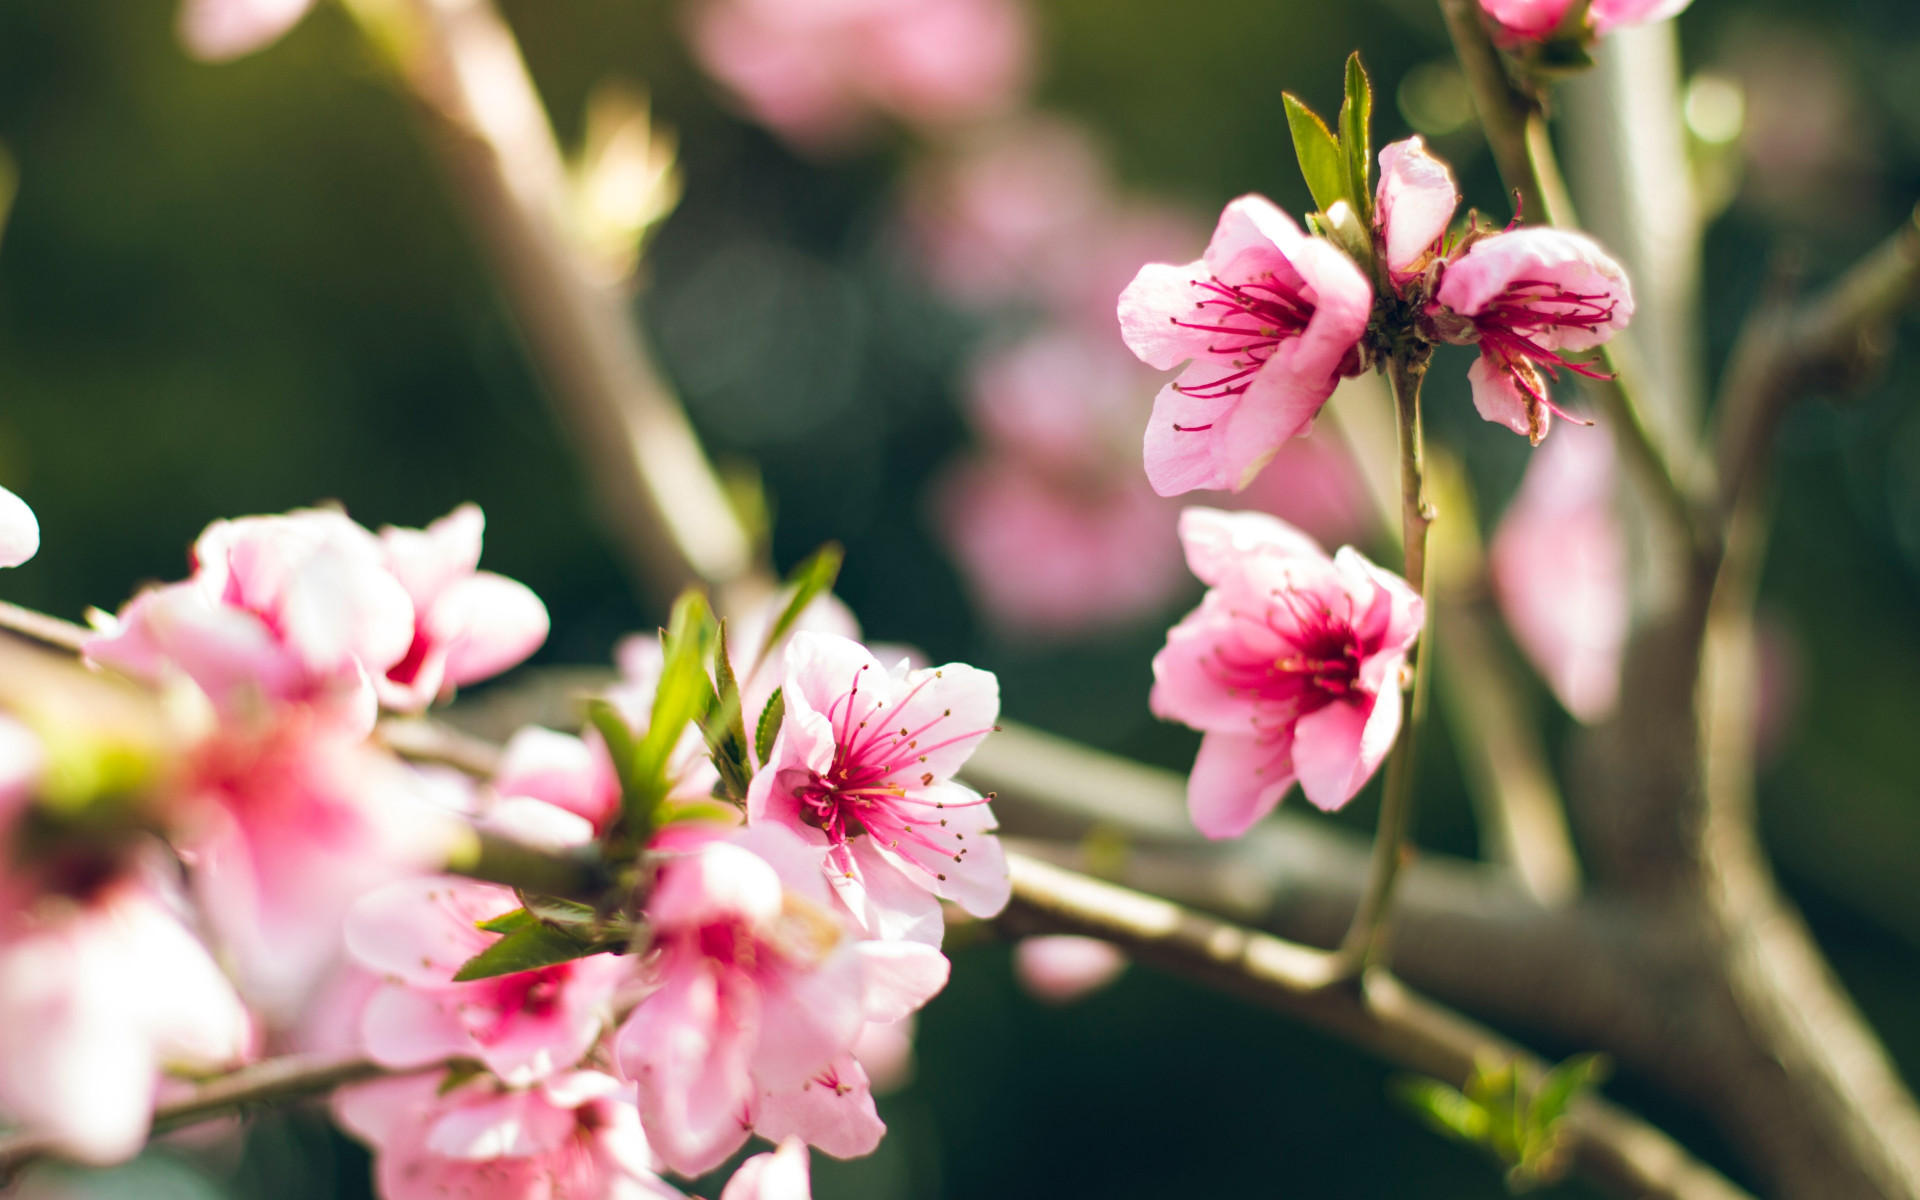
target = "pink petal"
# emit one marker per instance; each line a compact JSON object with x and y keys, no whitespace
{"x":687,"y":1049}
{"x":814,"y":1016}
{"x":1499,"y":399}
{"x":1237,"y":779}
{"x":1414,"y":203}
{"x":429,"y":561}
{"x":403,"y":1027}
{"x":423,"y":930}
{"x":782,"y":1175}
{"x":1159,"y":296}
{"x":216,"y":30}
{"x":1184,"y":447}
{"x":1336,"y":750}
{"x":898,"y":978}
{"x":1062,"y":969}
{"x":884,"y":900}
{"x":19,"y":530}
{"x":1608,"y":15}
{"x":885,"y":1053}
{"x":834,"y":1111}
{"x":557,"y":768}
{"x":373,"y":1111}
{"x":720,"y":882}
{"x":511,"y":1125}
{"x":1571,"y":261}
{"x":490,"y":623}
{"x":1217,"y":542}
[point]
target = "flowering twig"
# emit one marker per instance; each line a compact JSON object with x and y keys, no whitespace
{"x":657,"y":491}
{"x":1611,"y":1146}
{"x":1364,"y":944}
{"x":1516,"y":131}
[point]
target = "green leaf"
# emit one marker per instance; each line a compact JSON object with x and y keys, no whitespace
{"x":1446,"y":1109}
{"x":769,"y":727}
{"x":525,"y":949}
{"x":725,"y":728}
{"x":685,"y":694}
{"x":506,"y":922}
{"x":622,"y":746}
{"x":813,"y":578}
{"x":1318,"y":150}
{"x":1558,"y":1087}
{"x":1356,"y":137}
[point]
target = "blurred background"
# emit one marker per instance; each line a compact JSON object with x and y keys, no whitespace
{"x":243,"y":288}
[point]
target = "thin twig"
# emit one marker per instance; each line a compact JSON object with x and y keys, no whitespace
{"x":51,"y":631}
{"x":1620,"y":1151}
{"x":1365,"y":942}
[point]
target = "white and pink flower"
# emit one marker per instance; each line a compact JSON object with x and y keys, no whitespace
{"x":1268,"y":319}
{"x":1413,"y":206}
{"x":1290,"y":666}
{"x":863,"y":772}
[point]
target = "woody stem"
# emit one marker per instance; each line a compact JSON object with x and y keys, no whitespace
{"x":1366,"y":943}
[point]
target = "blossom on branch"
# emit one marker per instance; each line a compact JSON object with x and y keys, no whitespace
{"x":1290,"y":666}
{"x":1412,"y":207}
{"x":1517,"y":21}
{"x":1530,"y":296}
{"x":575,"y":1136}
{"x":863,"y":771}
{"x":1268,"y":319}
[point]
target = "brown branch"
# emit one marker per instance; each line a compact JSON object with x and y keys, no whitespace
{"x":1618,"y":1150}
{"x":40,"y":627}
{"x":657,"y":493}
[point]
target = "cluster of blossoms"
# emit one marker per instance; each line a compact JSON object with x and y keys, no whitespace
{"x":763,"y":942}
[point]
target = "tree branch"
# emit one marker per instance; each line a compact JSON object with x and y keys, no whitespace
{"x":1618,"y":1150}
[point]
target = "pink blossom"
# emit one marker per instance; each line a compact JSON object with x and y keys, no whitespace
{"x":468,"y":624}
{"x":832,"y":1109}
{"x":1537,"y":20}
{"x":523,"y":1026}
{"x":782,"y":1175}
{"x":216,"y":30}
{"x":1532,"y":294}
{"x":1290,"y":666}
{"x":1269,"y":317}
{"x":298,"y":608}
{"x":759,"y":990}
{"x":1413,"y":206}
{"x":19,"y":530}
{"x":285,"y":827}
{"x":1044,"y":557}
{"x":863,"y":771}
{"x":819,"y":71}
{"x":1062,"y":969}
{"x":1559,"y":568}
{"x":99,"y":992}
{"x":574,"y":1136}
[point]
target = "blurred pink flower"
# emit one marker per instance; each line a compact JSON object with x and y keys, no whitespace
{"x":885,"y":1052}
{"x":523,"y":1026}
{"x":759,"y":989}
{"x":1413,"y":206}
{"x":99,"y":992}
{"x":1314,"y":483}
{"x":1531,"y":294}
{"x":863,"y":772}
{"x":1044,"y":557}
{"x":284,"y":827}
{"x":1269,"y":317}
{"x":216,"y":30}
{"x":1559,"y":568}
{"x":574,"y":1136}
{"x":1290,"y":666}
{"x":819,"y":71}
{"x":1061,"y":969}
{"x":19,"y":530}
{"x":1535,"y":20}
{"x":468,"y":624}
{"x":781,"y":1175}
{"x":298,"y":608}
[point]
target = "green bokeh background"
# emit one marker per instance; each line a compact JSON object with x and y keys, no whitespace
{"x":242,"y":288}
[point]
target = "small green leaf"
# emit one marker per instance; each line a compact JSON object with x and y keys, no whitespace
{"x":684,"y":694}
{"x":725,"y":729}
{"x":1356,"y":137}
{"x":813,"y":578}
{"x":769,"y":727}
{"x":459,"y":1073}
{"x":1318,"y":150}
{"x":525,"y":949}
{"x":1446,"y":1109}
{"x":1558,"y":1087}
{"x":564,"y":913}
{"x":506,"y":922}
{"x":622,"y":746}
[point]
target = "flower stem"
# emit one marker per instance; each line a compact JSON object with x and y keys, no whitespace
{"x":1366,"y":944}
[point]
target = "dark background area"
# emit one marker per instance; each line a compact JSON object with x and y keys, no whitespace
{"x":240,"y":289}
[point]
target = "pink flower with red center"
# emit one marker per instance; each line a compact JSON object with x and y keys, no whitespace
{"x":468,"y":624}
{"x":782,"y":1175}
{"x":523,"y":1026}
{"x":574,"y":1136}
{"x":1412,"y":207}
{"x":758,"y":990}
{"x":820,"y":71}
{"x":286,"y":827}
{"x":1559,"y":567}
{"x":1269,"y":318}
{"x":1533,"y":295}
{"x":100,"y":990}
{"x":863,"y":771}
{"x":291,"y":609}
{"x":1290,"y":666}
{"x":1537,"y":20}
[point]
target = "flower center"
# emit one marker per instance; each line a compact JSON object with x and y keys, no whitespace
{"x":531,"y":994}
{"x":1250,"y":320}
{"x":1317,"y":664}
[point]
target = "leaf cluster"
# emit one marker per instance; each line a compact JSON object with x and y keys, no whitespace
{"x":1506,"y":1110}
{"x":1337,"y":166}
